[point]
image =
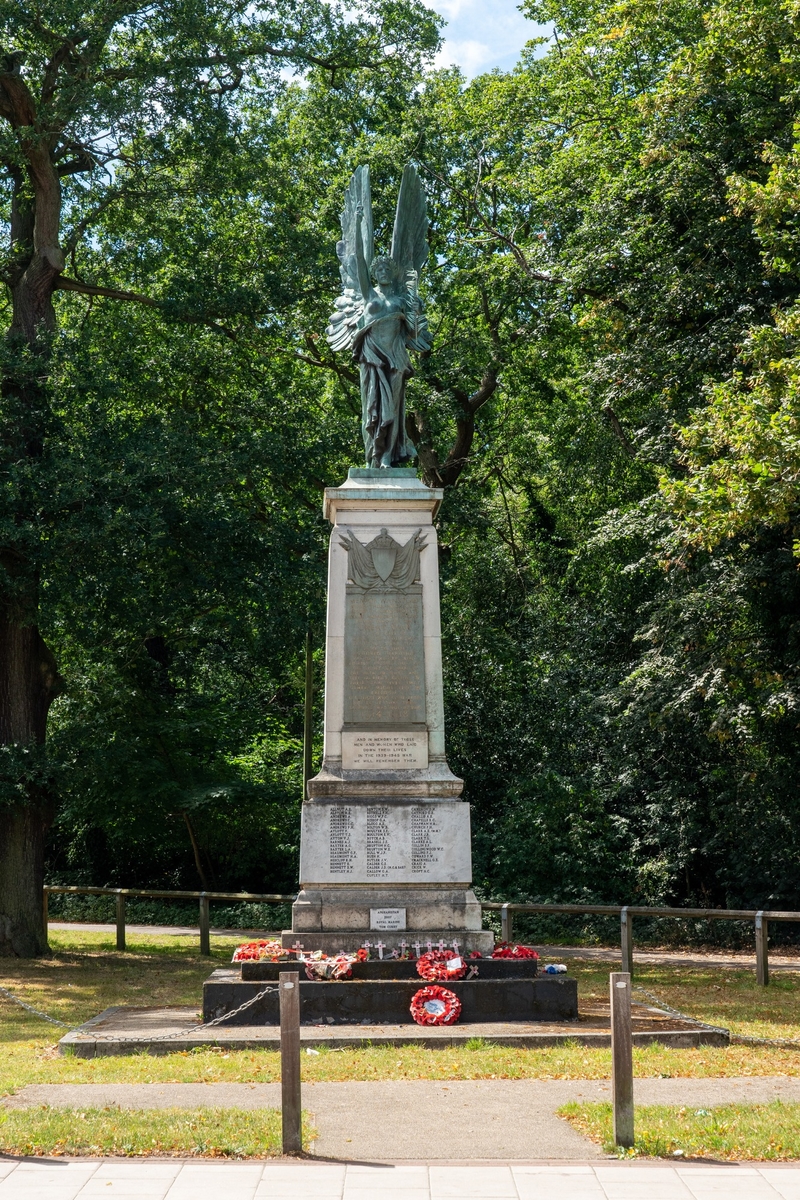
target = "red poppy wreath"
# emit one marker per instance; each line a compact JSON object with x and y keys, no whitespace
{"x":437,"y":965}
{"x":435,"y":1006}
{"x":506,"y":950}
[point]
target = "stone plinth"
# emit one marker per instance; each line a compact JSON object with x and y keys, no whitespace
{"x":388,"y":1002}
{"x":384,"y":829}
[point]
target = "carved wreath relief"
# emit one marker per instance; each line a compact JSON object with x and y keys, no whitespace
{"x":383,"y":564}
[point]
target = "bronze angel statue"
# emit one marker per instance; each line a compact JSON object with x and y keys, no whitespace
{"x":379,"y":315}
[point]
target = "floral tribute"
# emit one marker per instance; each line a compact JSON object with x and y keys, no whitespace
{"x":261,"y":951}
{"x":329,"y":966}
{"x":506,"y":950}
{"x":441,"y":964}
{"x":435,"y":1005}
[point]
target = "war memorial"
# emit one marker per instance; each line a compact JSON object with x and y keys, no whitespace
{"x":385,"y":850}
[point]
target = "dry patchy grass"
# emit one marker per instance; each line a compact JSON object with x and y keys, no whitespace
{"x":86,"y":974}
{"x":204,"y":1132}
{"x":735,"y":1132}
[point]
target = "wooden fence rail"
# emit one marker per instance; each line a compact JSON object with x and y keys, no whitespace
{"x":203,"y":898}
{"x":625,"y":913}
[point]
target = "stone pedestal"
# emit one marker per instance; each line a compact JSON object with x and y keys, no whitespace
{"x":385,"y":840}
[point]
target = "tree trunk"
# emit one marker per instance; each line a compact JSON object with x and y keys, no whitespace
{"x":28,"y":676}
{"x":28,"y":682}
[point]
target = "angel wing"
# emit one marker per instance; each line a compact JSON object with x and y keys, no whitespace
{"x":357,"y":207}
{"x":410,"y":237}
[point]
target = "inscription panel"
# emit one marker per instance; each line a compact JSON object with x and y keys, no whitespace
{"x":387,"y":918}
{"x":384,"y":657}
{"x":385,"y":843}
{"x":384,"y":751}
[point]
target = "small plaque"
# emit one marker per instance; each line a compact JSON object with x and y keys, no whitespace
{"x":384,"y":751}
{"x":387,"y":918}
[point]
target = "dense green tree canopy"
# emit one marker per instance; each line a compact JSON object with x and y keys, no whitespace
{"x":610,"y":405}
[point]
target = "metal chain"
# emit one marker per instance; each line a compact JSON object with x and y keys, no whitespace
{"x":738,"y":1039}
{"x":674,"y":1012}
{"x":163,"y":1037}
{"x":36,"y":1013}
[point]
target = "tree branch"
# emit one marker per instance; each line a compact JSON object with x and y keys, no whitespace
{"x":65,"y":284}
{"x":619,"y":432}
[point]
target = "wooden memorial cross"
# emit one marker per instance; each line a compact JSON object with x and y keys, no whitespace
{"x":380,"y":947}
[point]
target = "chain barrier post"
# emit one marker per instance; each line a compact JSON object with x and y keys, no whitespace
{"x":506,"y":924}
{"x":621,"y":1057}
{"x":120,"y":920}
{"x":289,"y":983}
{"x":205,"y":925}
{"x":626,"y":940}
{"x":762,"y":949}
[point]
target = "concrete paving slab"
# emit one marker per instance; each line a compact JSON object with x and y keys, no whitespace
{"x":291,"y":1180}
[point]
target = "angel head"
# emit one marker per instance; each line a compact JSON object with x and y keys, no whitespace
{"x":384,"y":270}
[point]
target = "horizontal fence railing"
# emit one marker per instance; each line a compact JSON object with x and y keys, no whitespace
{"x":625,"y":913}
{"x":204,"y":900}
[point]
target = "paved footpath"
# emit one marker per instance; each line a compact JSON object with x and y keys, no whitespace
{"x":421,"y":1119}
{"x":166,"y":1179}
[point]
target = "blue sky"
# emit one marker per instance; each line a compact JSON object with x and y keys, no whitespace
{"x":481,"y":34}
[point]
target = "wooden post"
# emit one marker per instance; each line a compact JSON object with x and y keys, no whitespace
{"x":626,"y":940}
{"x":45,"y":894}
{"x":762,"y":949}
{"x":621,"y":1057}
{"x":289,"y":983}
{"x":506,"y":924}
{"x":308,"y":712}
{"x":120,"y":920}
{"x":205,"y":923}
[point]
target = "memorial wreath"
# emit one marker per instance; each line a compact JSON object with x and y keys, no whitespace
{"x":506,"y":950}
{"x":321,"y":966}
{"x":261,"y":951}
{"x":440,"y":964}
{"x":435,"y":1006}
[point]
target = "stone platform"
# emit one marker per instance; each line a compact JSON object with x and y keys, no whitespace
{"x":120,"y":1030}
{"x":387,"y":1001}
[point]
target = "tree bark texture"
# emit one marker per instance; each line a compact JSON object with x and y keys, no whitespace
{"x":28,"y":682}
{"x":28,"y":675}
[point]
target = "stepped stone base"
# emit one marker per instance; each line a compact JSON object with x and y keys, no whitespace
{"x":377,"y":1002}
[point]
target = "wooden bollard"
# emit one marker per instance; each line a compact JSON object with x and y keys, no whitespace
{"x":289,"y":984}
{"x":120,"y":921}
{"x":762,"y":949}
{"x":621,"y":1057}
{"x":626,"y":940}
{"x":205,"y":925}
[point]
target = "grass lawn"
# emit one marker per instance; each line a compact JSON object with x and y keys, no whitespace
{"x":204,"y":1132}
{"x":86,"y":974}
{"x":760,"y":1132}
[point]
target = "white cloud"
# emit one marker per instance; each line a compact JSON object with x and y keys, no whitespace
{"x":470,"y":56}
{"x":482,"y":34}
